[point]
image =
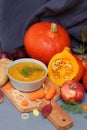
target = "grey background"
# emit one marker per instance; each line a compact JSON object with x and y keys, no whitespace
{"x":10,"y":119}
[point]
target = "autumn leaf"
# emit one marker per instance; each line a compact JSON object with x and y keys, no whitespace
{"x":46,"y":110}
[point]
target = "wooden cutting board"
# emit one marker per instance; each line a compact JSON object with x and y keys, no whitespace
{"x":58,"y":117}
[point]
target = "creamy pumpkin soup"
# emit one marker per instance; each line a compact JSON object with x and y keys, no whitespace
{"x":27,"y":71}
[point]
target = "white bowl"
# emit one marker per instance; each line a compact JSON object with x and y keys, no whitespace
{"x":27,"y":86}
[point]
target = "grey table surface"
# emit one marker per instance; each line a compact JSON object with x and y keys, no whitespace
{"x":10,"y":119}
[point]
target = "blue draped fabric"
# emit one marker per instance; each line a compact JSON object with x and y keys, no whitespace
{"x":17,"y":15}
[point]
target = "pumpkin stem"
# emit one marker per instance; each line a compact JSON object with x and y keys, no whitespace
{"x":54,"y":27}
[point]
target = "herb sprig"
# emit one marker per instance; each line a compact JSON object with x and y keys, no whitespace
{"x":29,"y":70}
{"x":74,"y":108}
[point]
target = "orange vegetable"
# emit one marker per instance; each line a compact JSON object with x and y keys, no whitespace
{"x":37,"y":94}
{"x":24,"y":103}
{"x":50,"y":92}
{"x":65,"y":66}
{"x":84,"y":107}
{"x":50,"y":38}
{"x":8,"y":86}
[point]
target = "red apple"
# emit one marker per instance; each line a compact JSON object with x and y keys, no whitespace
{"x":72,"y":91}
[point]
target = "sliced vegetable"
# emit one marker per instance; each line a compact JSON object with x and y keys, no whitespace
{"x":24,"y":102}
{"x":35,"y":112}
{"x":50,"y":92}
{"x":8,"y":86}
{"x":65,"y":66}
{"x":24,"y":116}
{"x":16,"y":93}
{"x":84,"y":106}
{"x":38,"y":94}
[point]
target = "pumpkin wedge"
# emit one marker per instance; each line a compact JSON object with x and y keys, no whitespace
{"x":65,"y":66}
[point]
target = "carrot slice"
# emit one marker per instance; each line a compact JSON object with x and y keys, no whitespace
{"x":84,"y":107}
{"x":24,"y":102}
{"x":8,"y":86}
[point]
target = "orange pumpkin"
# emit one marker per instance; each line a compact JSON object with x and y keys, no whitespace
{"x":65,"y":66}
{"x":44,"y":39}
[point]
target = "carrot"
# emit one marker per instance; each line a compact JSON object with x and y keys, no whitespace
{"x":8,"y":86}
{"x":50,"y":92}
{"x":84,"y":107}
{"x":24,"y":102}
{"x":38,"y":94}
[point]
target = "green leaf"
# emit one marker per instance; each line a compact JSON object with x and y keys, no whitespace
{"x":79,"y":49}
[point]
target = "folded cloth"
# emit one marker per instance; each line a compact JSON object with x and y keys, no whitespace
{"x":13,"y":16}
{"x":17,"y":16}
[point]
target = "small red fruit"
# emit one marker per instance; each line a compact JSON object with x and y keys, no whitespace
{"x":4,"y":54}
{"x":83,"y":59}
{"x":18,"y":53}
{"x":72,"y":91}
{"x":84,"y":62}
{"x":84,"y":80}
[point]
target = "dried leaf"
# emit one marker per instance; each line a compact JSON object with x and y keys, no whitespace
{"x":46,"y":110}
{"x":81,"y":49}
{"x":83,"y":33}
